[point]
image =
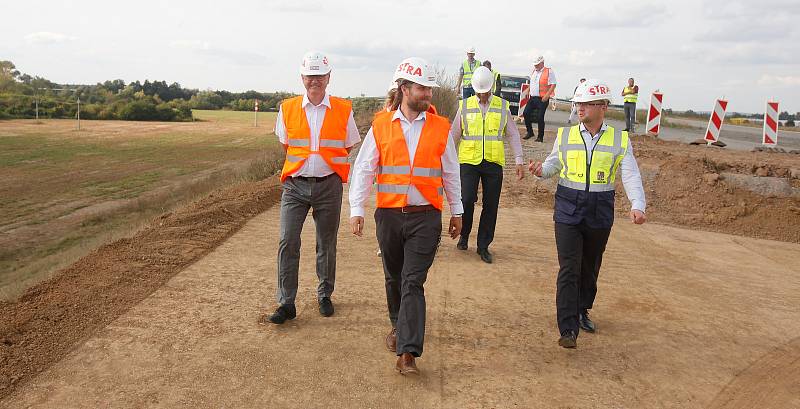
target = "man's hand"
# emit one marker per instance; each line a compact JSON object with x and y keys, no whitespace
{"x":357,"y":223}
{"x":535,"y":168}
{"x":520,"y":171}
{"x":638,"y":217}
{"x":455,"y":227}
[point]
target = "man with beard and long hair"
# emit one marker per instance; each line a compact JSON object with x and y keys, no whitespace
{"x":409,"y":152}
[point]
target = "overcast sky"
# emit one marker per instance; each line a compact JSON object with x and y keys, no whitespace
{"x":693,"y":51}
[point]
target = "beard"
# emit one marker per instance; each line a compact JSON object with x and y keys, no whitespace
{"x":419,"y":105}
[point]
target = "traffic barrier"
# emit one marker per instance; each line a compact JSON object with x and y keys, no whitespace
{"x":715,"y":122}
{"x":523,"y":101}
{"x":654,"y":113}
{"x":770,"y":134}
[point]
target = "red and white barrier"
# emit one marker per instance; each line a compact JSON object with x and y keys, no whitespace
{"x":715,"y":122}
{"x":770,"y":134}
{"x":523,"y":101}
{"x":654,"y":113}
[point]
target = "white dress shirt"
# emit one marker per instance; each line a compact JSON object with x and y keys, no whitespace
{"x":511,"y":133}
{"x":367,"y":163}
{"x":535,"y":75}
{"x":315,"y":165}
{"x":631,"y":178}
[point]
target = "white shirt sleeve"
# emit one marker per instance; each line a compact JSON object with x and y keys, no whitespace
{"x":512,"y":136}
{"x":632,"y":180}
{"x":280,"y":127}
{"x":455,"y":128}
{"x":551,"y":165}
{"x":363,"y":174}
{"x":451,"y":178}
{"x":551,"y":79}
{"x":353,"y":137}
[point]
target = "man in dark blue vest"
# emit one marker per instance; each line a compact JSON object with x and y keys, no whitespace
{"x":587,"y":158}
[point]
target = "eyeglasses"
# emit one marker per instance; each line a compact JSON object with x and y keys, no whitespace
{"x":583,"y":104}
{"x":317,"y":78}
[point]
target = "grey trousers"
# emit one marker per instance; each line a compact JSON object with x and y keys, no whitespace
{"x":630,"y":115}
{"x":408,"y":244}
{"x":324,"y":196}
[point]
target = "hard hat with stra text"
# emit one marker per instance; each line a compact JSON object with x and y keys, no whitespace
{"x":482,"y":80}
{"x":592,"y":90}
{"x":416,"y":70}
{"x":315,"y":63}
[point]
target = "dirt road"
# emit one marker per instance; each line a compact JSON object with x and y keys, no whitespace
{"x":685,"y":319}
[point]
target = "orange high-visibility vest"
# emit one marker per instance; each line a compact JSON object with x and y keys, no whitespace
{"x":543,"y":82}
{"x":396,"y":172}
{"x":332,"y":136}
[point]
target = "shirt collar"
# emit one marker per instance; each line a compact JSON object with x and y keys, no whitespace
{"x":399,"y":115}
{"x":602,"y":129}
{"x":326,"y":100}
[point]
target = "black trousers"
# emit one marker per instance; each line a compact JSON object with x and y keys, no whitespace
{"x":408,"y":243}
{"x":580,"y":253}
{"x":534,"y":112}
{"x":490,"y":176}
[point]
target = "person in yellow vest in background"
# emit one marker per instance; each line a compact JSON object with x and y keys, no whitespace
{"x":630,"y":95}
{"x":317,"y":131}
{"x":482,"y":123}
{"x":542,"y":88}
{"x":496,"y":85}
{"x":587,"y":158}
{"x":414,"y":161}
{"x":465,"y":74}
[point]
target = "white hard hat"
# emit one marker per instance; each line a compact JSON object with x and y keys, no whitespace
{"x":538,"y":60}
{"x":482,"y":79}
{"x":471,"y":50}
{"x":592,"y":90}
{"x":416,"y":70}
{"x":315,"y":63}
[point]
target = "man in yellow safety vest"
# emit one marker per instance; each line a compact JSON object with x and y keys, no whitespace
{"x":630,"y":95}
{"x":465,"y":73}
{"x":587,"y":158}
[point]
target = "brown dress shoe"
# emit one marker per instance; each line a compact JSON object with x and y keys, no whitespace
{"x":391,"y":340}
{"x":405,"y":365}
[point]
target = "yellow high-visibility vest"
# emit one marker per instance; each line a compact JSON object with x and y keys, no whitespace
{"x":494,"y":84}
{"x":630,"y":97}
{"x":482,"y":135}
{"x":468,"y":72}
{"x":606,"y":157}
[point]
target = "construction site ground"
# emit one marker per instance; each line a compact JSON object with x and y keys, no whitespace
{"x":697,"y":308}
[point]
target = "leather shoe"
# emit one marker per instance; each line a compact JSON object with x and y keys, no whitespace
{"x":528,"y":136}
{"x":283,"y":313}
{"x":486,"y":257}
{"x":584,"y":322}
{"x":569,"y":339}
{"x":325,"y":307}
{"x":391,"y":340}
{"x":540,"y":139}
{"x":405,"y":365}
{"x":462,"y":245}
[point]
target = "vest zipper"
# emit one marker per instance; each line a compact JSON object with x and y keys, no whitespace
{"x":589,"y":161}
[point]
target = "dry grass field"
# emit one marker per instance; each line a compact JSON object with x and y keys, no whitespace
{"x":64,"y":191}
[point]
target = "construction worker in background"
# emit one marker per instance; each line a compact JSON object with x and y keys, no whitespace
{"x":465,"y":74}
{"x":587,"y":157}
{"x":416,"y":165}
{"x":630,"y":95}
{"x":543,"y":81}
{"x":574,"y":112}
{"x":496,"y":86}
{"x":317,"y":131}
{"x":482,"y":124}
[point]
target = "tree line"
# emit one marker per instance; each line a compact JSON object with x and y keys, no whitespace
{"x":20,"y":94}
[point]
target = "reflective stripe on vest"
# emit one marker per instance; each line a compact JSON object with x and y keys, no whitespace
{"x":395,"y":174}
{"x":606,"y":157}
{"x":333,"y":136}
{"x":630,"y":97}
{"x":482,"y":136}
{"x":467,"y":80}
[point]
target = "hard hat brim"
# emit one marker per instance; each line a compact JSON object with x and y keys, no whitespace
{"x":321,"y":71}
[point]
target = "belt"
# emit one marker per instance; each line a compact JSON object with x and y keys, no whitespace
{"x":413,"y":209}
{"x":313,"y":178}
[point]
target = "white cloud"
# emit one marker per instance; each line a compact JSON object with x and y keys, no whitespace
{"x":602,"y":16}
{"x":47,"y":37}
{"x":781,"y":81}
{"x":224,"y":54}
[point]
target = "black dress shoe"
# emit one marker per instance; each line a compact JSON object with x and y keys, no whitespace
{"x":462,"y":245}
{"x":540,"y":139}
{"x":283,"y":313}
{"x":569,"y":339}
{"x":325,"y":307}
{"x":486,"y":257}
{"x":584,"y":322}
{"x":528,"y":136}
